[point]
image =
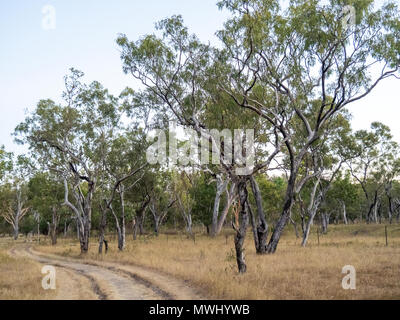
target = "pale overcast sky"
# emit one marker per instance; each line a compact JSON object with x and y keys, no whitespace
{"x":33,"y":61}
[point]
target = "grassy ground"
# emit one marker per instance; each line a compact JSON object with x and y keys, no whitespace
{"x":314,"y":272}
{"x":20,"y":278}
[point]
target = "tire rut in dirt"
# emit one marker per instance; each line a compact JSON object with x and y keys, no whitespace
{"x":122,"y":285}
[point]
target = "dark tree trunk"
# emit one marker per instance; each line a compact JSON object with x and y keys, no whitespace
{"x":241,"y":231}
{"x":324,"y":222}
{"x":84,"y":238}
{"x":102,"y":227}
{"x":253,"y":227}
{"x":138,"y":223}
{"x":390,"y":209}
{"x":156,"y":225}
{"x":281,"y":223}
{"x":261,"y":231}
{"x":84,"y":232}
{"x":53,"y":227}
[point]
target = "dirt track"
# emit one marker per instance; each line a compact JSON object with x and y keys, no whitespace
{"x":108,"y":281}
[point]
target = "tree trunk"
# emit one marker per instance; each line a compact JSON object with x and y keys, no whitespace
{"x":160,"y":216}
{"x":253,"y":227}
{"x":294,"y":227}
{"x":16,"y":229}
{"x":390,"y":209}
{"x":121,"y":239}
{"x":397,"y":203}
{"x":315,"y":201}
{"x":306,"y":233}
{"x":156,"y":225}
{"x":324,"y":222}
{"x":231,"y":195}
{"x":141,"y":224}
{"x":77,"y":229}
{"x":372,"y":212}
{"x":241,"y":231}
{"x":138,"y":223}
{"x":344,"y":212}
{"x":221,"y":186}
{"x":102,"y":227}
{"x":262,"y":226}
{"x":380,"y":212}
{"x":83,"y":215}
{"x":53,"y":227}
{"x":38,"y":231}
{"x":134,"y":228}
{"x":122,"y":229}
{"x":189,"y":224}
{"x":308,"y":226}
{"x":281,"y":223}
{"x":84,"y":238}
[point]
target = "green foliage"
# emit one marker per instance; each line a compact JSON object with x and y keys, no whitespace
{"x":46,"y":193}
{"x":203,"y":193}
{"x":6,"y":164}
{"x":273,"y":192}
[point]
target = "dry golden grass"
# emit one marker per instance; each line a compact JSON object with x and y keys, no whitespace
{"x":20,"y":278}
{"x":292,"y":272}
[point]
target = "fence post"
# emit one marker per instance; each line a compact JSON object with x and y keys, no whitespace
{"x":386,"y":236}
{"x":318,"y":235}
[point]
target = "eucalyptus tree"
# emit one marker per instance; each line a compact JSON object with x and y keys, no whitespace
{"x":305,"y":54}
{"x":69,"y":139}
{"x":342,"y":197}
{"x":178,"y":75}
{"x":390,"y":170}
{"x":224,"y":185}
{"x":140,"y":196}
{"x":14,"y":194}
{"x":5,"y":163}
{"x":162,"y":199}
{"x":374,"y":165}
{"x":325,"y":159}
{"x":123,"y":163}
{"x":46,"y":196}
{"x":182,"y":183}
{"x":14,"y":205}
{"x":391,"y":173}
{"x":393,"y":196}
